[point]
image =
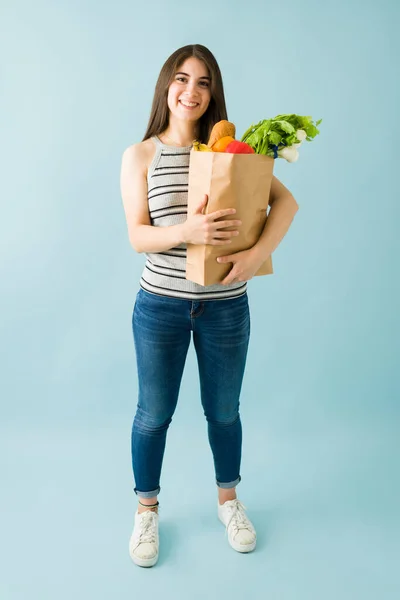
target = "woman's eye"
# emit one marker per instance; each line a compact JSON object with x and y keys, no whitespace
{"x":202,"y":83}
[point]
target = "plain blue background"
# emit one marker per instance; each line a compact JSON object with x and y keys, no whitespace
{"x":320,"y":397}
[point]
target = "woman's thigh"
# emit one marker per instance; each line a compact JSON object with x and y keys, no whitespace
{"x":221,"y":339}
{"x":161,"y":337}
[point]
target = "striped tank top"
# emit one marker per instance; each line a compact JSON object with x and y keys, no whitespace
{"x":164,"y":272}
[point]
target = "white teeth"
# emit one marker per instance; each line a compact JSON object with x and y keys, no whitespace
{"x":188,"y":103}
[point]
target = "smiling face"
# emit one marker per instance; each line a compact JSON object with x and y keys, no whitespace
{"x":189,"y":93}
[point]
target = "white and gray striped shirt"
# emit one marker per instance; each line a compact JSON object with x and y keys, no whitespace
{"x":164,"y":272}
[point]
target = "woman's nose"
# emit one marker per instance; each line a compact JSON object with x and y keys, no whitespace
{"x":191,"y":86}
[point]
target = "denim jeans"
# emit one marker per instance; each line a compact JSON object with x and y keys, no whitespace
{"x":162,"y":330}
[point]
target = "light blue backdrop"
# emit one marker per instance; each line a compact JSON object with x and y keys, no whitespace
{"x":320,"y":397}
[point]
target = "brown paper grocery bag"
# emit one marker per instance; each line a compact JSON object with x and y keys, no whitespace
{"x":241,"y":181}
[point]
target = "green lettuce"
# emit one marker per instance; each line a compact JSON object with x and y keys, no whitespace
{"x":270,"y":135}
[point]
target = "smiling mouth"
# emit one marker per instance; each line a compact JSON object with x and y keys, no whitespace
{"x":194,"y":105}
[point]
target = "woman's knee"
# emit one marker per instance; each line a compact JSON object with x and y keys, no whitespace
{"x":152,"y":421}
{"x":223,"y":418}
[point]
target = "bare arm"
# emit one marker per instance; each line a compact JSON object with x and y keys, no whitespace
{"x":281,"y":214}
{"x":143,"y":236}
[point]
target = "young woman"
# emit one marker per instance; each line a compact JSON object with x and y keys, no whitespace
{"x":188,"y":101}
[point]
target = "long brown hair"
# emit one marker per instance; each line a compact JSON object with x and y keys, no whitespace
{"x":216,"y":111}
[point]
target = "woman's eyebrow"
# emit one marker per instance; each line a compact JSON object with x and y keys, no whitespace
{"x":202,"y":77}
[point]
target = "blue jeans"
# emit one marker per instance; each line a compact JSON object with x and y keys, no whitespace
{"x":162,"y":329}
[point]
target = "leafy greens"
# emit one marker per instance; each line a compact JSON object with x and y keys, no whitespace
{"x":269,"y":135}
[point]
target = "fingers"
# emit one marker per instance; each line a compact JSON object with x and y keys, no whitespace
{"x":222,"y":224}
{"x":202,"y":204}
{"x":225,"y":234}
{"x":221,"y":213}
{"x":212,"y":228}
{"x":229,"y":279}
{"x":216,"y":242}
{"x":220,"y":237}
{"x":215,"y":233}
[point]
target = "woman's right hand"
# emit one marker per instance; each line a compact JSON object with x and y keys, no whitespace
{"x":204,"y":229}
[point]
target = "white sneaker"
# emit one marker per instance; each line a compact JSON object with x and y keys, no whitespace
{"x":241,"y":533}
{"x":144,"y":542}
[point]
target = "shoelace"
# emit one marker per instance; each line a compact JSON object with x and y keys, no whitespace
{"x":238,"y":517}
{"x":148,"y":528}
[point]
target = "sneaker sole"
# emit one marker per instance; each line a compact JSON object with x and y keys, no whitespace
{"x":144,"y":562}
{"x":244,"y":549}
{"x":239,"y":547}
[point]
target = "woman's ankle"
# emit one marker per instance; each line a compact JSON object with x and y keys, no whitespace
{"x":225,"y":495}
{"x":142,"y":509}
{"x":148,"y":504}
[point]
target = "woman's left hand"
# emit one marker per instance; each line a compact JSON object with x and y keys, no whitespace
{"x":245,"y":265}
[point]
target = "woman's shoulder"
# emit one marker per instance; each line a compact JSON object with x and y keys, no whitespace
{"x":142,"y":153}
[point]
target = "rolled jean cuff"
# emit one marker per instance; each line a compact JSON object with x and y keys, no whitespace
{"x":152,"y":494}
{"x":232,"y":484}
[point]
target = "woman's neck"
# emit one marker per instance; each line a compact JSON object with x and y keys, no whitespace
{"x":181,"y":136}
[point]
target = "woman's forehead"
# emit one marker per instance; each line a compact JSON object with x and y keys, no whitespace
{"x":193,"y":66}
